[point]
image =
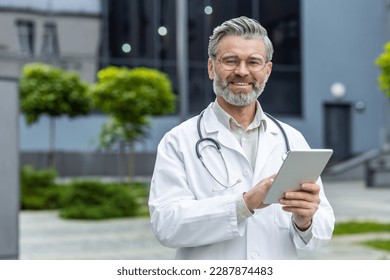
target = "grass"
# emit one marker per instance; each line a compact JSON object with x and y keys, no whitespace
{"x":354,"y":227}
{"x":383,"y":245}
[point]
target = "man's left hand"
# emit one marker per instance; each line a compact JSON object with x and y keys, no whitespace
{"x":302,"y":204}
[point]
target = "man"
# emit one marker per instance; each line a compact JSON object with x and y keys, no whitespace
{"x":208,"y":203}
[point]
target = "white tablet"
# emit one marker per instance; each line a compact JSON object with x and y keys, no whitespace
{"x":299,"y":166}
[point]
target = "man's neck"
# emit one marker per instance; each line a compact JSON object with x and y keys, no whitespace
{"x":243,"y":115}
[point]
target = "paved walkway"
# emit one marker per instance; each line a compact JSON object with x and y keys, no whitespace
{"x":44,"y":236}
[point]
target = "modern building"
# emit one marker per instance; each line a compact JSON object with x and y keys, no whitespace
{"x":63,"y":33}
{"x":324,"y":80}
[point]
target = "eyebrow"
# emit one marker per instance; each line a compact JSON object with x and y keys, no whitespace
{"x":253,"y":55}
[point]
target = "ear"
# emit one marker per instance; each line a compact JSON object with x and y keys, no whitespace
{"x":210,"y":69}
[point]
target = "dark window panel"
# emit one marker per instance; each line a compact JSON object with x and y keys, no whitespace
{"x":136,"y":22}
{"x":282,"y":95}
{"x":26,"y":35}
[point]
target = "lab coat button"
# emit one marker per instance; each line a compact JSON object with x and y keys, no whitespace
{"x":245,"y":172}
{"x":255,"y":255}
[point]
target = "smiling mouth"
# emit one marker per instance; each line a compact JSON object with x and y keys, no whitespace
{"x":241,"y":84}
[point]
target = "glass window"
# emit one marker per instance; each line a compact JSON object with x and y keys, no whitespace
{"x":282,"y":21}
{"x":50,"y":46}
{"x":282,"y":95}
{"x":26,"y":37}
{"x":143,"y":33}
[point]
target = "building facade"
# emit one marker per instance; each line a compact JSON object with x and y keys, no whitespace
{"x":324,"y":79}
{"x":63,"y":33}
{"x":318,"y":44}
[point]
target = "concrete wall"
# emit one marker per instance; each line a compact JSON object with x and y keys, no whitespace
{"x":78,"y":39}
{"x":93,"y":164}
{"x":341,"y":40}
{"x":9,"y":171}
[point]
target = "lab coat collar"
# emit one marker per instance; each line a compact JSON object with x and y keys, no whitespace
{"x":215,"y":129}
{"x":267,"y":140}
{"x":212,"y":125}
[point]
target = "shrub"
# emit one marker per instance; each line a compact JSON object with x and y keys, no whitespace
{"x":97,"y":200}
{"x":81,"y":199}
{"x":38,"y":189}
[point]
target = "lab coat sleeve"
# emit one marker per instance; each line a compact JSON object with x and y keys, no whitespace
{"x":178,"y":217}
{"x":322,"y":225}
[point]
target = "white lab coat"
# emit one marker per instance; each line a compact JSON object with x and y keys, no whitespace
{"x":201,"y":223}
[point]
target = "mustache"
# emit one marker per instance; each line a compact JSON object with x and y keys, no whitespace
{"x":239,"y":79}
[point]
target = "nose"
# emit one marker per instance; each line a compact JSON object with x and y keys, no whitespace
{"x":242,"y":68}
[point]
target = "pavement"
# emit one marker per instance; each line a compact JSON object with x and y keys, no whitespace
{"x":45,"y":236}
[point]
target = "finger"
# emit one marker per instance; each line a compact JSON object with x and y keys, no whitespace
{"x":295,"y":203}
{"x":266,"y":184}
{"x":300,"y":195}
{"x":299,"y":211}
{"x":310,"y":193}
{"x":255,"y":196}
{"x":269,"y":179}
{"x":272,"y":176}
{"x":310,"y":187}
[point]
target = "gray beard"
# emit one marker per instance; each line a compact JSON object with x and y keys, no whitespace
{"x":238,"y":99}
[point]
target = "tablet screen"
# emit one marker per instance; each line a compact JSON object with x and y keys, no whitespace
{"x":299,"y":166}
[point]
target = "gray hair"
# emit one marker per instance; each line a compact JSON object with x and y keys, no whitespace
{"x":244,"y":27}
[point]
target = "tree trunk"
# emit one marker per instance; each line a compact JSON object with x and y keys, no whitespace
{"x":121,"y":161}
{"x":131,"y":161}
{"x":52,"y":140}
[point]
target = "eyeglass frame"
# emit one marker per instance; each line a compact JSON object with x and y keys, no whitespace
{"x":240,"y":59}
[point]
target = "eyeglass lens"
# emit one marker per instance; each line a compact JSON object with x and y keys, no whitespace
{"x":255,"y":62}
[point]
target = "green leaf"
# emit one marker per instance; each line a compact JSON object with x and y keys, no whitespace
{"x":129,"y":96}
{"x":47,"y":90}
{"x":383,"y":61}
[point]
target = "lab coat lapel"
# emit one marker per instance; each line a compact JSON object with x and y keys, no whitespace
{"x":267,"y":144}
{"x":217,"y":130}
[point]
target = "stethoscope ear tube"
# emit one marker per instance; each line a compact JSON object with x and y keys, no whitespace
{"x":284,"y":135}
{"x":198,"y":125}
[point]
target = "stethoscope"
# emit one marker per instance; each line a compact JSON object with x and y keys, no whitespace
{"x":218,"y":148}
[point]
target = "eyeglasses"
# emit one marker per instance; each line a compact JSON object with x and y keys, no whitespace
{"x":255,"y":62}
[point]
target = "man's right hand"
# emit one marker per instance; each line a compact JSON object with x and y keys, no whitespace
{"x":255,"y":196}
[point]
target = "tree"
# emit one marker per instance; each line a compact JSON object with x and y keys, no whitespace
{"x":129,"y":97}
{"x":51,"y":91}
{"x":383,"y":61}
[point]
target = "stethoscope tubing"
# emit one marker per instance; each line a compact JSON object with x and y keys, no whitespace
{"x":218,"y":146}
{"x":201,"y":138}
{"x":286,"y":141}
